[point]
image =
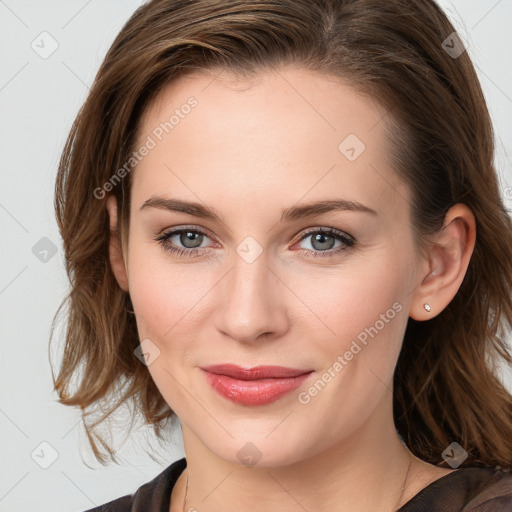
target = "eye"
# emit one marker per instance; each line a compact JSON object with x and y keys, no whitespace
{"x":188,"y":240}
{"x":189,"y":237}
{"x":323,"y":242}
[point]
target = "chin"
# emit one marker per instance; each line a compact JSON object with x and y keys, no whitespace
{"x":260,"y":450}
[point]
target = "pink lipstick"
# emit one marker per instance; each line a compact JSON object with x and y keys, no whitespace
{"x":254,"y":386}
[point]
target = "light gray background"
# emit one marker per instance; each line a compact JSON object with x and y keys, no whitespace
{"x":39,"y":98}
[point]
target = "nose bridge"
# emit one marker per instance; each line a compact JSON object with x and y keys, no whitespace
{"x":249,"y":303}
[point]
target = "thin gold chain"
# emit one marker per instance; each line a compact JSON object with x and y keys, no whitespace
{"x":395,"y":508}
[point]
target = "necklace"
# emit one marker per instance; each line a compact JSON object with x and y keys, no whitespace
{"x":394,"y":508}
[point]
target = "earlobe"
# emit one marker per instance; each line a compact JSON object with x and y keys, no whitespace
{"x":117,"y":262}
{"x":448,"y":261}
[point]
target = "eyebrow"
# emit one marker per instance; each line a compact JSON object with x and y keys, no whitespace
{"x":287,"y":214}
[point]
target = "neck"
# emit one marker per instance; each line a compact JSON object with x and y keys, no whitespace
{"x":367,"y":471}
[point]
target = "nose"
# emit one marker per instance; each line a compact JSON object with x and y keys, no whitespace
{"x":251,"y":302}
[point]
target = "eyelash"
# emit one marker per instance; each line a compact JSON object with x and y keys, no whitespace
{"x":347,"y":240}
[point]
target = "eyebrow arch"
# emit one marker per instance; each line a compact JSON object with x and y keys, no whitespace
{"x":287,"y":214}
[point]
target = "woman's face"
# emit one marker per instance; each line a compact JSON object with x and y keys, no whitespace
{"x":259,"y":285}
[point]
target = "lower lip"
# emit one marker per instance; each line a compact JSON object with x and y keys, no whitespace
{"x":254,"y":392}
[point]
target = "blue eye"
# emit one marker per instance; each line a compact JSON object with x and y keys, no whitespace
{"x":191,"y":239}
{"x":324,"y":240}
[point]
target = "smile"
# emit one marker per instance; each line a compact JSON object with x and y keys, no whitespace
{"x":255,"y":386}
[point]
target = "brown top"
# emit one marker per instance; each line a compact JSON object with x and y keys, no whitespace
{"x":464,"y":490}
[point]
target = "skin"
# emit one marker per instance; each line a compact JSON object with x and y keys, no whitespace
{"x":249,"y":149}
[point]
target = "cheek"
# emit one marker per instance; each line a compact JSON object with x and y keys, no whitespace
{"x":364,"y":320}
{"x":163,"y":304}
{"x":370,"y":295}
{"x":168,"y":297}
{"x":364,"y":316}
{"x":167,"y":305}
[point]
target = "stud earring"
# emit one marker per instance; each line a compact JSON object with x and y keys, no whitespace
{"x":427,"y":307}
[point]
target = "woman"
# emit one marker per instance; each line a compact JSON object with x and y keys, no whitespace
{"x":283,"y":226}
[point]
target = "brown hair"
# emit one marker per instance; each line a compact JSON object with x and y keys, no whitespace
{"x":445,"y":384}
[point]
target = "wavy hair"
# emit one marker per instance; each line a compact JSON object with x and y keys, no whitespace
{"x":446,"y":384}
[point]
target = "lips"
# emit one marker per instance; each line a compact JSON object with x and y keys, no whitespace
{"x":256,"y":373}
{"x":254,"y":386}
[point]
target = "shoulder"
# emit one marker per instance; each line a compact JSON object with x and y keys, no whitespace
{"x":494,"y":492}
{"x":466,"y":490}
{"x":122,"y":504}
{"x":153,"y":495}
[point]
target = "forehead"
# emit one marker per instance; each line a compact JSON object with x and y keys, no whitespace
{"x":325,"y":103}
{"x":288,"y":133}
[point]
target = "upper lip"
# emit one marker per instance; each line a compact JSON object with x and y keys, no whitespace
{"x":255,"y":373}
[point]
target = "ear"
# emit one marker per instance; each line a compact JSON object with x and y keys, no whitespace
{"x":446,"y":265}
{"x":115,"y":251}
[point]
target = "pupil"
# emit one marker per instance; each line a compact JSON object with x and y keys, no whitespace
{"x":320,"y":237}
{"x":190,"y":237}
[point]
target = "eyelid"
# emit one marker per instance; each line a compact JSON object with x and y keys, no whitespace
{"x":324,"y":229}
{"x":303,"y":234}
{"x":347,"y":241}
{"x":177,"y":229}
